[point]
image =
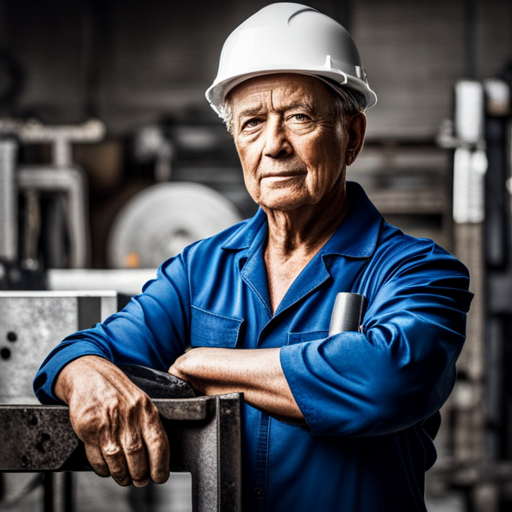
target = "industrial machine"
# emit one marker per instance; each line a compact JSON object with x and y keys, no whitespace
{"x":21,"y":192}
{"x":476,"y":439}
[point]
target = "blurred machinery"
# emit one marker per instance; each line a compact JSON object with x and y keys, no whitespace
{"x":43,"y":224}
{"x":475,"y":445}
{"x":45,"y":243}
{"x":161,"y":220}
{"x":44,"y":219}
{"x":22,"y":189}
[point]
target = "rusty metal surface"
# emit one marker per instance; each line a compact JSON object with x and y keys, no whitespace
{"x":229,"y":452}
{"x":41,"y":438}
{"x":204,"y":435}
{"x":183,"y":409}
{"x":35,"y":437}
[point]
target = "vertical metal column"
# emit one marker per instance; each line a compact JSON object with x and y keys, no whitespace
{"x":467,"y":404}
{"x":498,"y":274}
{"x":468,"y":213}
{"x":8,"y":200}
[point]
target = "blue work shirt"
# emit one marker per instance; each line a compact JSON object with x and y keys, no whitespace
{"x":364,"y":396}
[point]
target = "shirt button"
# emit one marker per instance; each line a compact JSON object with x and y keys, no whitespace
{"x":258,"y":493}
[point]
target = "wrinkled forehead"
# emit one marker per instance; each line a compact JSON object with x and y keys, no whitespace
{"x":280,"y":90}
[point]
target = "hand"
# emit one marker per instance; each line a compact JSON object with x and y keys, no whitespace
{"x":118,"y":423}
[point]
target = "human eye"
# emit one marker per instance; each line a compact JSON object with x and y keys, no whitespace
{"x":251,"y":123}
{"x":299,"y":118}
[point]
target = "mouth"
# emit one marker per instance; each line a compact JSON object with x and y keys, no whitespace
{"x":283,"y":176}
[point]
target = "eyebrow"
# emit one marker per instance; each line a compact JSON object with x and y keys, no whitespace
{"x":251,"y":111}
{"x":254,"y":111}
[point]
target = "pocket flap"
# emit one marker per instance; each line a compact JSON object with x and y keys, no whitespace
{"x":213,"y":330}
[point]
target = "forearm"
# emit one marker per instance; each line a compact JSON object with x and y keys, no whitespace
{"x":256,"y":373}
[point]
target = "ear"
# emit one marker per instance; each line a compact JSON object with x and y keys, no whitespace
{"x":355,"y":129}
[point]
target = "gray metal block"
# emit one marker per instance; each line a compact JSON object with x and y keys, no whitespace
{"x":32,"y":324}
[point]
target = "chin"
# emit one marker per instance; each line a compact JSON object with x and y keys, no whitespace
{"x":284,"y":204}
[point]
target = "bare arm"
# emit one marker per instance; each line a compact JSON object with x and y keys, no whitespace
{"x":117,"y":422}
{"x":256,"y":373}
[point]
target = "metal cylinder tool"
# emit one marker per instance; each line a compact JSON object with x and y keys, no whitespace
{"x":347,"y":313}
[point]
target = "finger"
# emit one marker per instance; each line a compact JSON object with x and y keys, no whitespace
{"x":157,"y":445}
{"x":136,"y":457}
{"x":115,"y":458}
{"x":96,"y":460}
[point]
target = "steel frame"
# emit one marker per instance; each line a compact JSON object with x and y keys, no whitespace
{"x":204,"y":435}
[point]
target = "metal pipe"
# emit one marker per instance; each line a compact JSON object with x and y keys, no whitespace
{"x":471,"y":37}
{"x":8,"y":200}
{"x":347,"y":313}
{"x":71,"y":181}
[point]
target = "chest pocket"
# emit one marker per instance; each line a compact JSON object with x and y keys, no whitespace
{"x":212,"y":330}
{"x":300,"y":337}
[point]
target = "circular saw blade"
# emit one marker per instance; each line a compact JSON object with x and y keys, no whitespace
{"x":162,"y":220}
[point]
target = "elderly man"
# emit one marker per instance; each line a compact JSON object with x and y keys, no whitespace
{"x":331,"y":423}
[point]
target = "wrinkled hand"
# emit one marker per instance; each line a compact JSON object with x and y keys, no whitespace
{"x":117,"y":422}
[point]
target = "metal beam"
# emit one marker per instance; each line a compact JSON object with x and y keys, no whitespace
{"x":204,"y":436}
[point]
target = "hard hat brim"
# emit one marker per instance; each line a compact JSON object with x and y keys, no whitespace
{"x":217,"y":93}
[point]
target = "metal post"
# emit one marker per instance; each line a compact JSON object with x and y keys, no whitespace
{"x":8,"y":201}
{"x":48,"y":482}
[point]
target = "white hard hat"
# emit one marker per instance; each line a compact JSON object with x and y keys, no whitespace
{"x":290,"y":38}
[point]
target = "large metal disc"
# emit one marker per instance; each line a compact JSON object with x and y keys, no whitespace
{"x":160,"y":221}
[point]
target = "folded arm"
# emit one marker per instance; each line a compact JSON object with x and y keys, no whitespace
{"x":255,"y":373}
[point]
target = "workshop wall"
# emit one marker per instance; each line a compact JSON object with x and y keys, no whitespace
{"x":132,"y":64}
{"x":129,"y":62}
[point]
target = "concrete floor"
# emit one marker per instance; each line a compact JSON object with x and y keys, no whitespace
{"x":94,"y":494}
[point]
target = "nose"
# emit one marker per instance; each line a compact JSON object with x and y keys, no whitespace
{"x":277,"y":144}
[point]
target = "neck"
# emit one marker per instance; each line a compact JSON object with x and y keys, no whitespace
{"x":305,"y":229}
{"x":294,"y":237}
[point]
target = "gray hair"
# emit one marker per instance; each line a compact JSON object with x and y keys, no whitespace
{"x":347,"y":102}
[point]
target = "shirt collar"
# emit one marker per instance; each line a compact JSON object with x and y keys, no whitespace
{"x":358,"y":234}
{"x":356,"y":237}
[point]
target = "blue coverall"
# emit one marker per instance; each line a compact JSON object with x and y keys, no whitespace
{"x":363,"y":395}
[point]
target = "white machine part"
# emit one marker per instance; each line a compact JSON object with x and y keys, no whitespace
{"x":162,"y":220}
{"x":289,"y":38}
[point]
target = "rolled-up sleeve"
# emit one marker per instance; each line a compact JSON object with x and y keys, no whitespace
{"x":401,"y":368}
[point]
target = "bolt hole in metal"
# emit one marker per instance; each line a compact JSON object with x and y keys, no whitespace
{"x":40,"y":447}
{"x":5,"y":353}
{"x":12,"y":336}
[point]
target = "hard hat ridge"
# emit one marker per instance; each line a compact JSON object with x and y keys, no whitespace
{"x":289,"y":38}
